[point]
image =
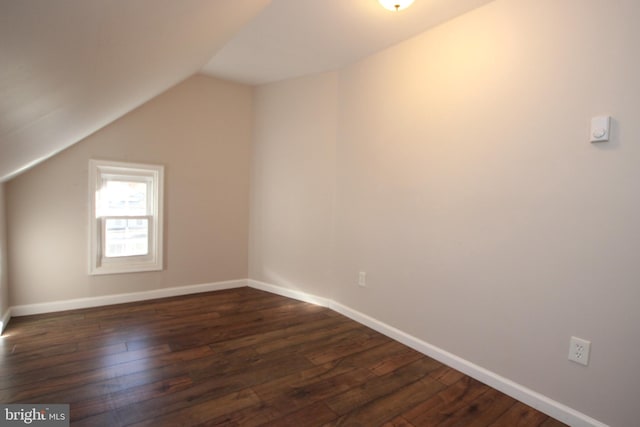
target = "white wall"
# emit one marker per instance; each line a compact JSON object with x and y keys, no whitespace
{"x":201,"y":131}
{"x":466,"y":188}
{"x":4,"y":281}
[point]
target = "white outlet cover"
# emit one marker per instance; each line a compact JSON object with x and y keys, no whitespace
{"x":579,"y":350}
{"x":362,"y":279}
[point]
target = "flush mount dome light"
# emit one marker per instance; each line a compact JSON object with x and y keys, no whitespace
{"x":396,"y":5}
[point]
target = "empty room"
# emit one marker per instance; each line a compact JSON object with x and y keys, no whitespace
{"x":320,"y":213}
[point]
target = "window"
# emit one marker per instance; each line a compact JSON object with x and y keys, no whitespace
{"x":125,"y":224}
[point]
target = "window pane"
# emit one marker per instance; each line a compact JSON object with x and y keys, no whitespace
{"x":123,"y":198}
{"x":126,"y":237}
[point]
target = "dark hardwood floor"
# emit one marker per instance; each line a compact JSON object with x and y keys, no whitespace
{"x":238,"y":357}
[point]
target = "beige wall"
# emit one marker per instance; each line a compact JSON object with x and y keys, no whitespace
{"x":292,"y":184}
{"x":201,"y":131}
{"x":4,"y":277}
{"x":467,"y":189}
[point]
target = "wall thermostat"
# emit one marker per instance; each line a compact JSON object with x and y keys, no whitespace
{"x":600,"y":128}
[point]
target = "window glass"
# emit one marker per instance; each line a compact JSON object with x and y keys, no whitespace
{"x":122,"y":198}
{"x":126,"y":237}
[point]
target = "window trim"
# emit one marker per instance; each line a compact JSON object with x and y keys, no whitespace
{"x":101,"y":170}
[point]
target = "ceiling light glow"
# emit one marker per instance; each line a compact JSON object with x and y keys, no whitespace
{"x":395,"y":5}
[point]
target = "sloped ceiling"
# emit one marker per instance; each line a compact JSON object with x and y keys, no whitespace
{"x":70,"y":67}
{"x":291,"y":38}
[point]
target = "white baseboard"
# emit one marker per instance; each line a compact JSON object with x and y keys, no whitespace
{"x":536,"y":400}
{"x":5,"y":320}
{"x":51,"y":307}
{"x":289,"y":293}
{"x":532,"y":398}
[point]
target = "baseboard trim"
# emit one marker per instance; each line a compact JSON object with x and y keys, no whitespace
{"x":55,"y":306}
{"x":532,"y":398}
{"x":5,"y":320}
{"x":289,"y":293}
{"x":536,"y":400}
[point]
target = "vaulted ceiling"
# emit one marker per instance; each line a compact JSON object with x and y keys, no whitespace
{"x":70,"y":67}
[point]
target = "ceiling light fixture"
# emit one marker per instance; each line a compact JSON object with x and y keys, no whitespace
{"x":395,"y":5}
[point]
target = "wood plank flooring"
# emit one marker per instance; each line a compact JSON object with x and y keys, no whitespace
{"x":239,"y":357}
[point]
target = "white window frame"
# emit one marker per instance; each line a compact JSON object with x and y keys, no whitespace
{"x":101,"y":171}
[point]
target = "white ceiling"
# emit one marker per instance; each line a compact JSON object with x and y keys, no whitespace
{"x":70,"y":67}
{"x":291,"y":38}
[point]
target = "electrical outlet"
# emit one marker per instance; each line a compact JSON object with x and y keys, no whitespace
{"x":579,"y":350}
{"x":362,"y":279}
